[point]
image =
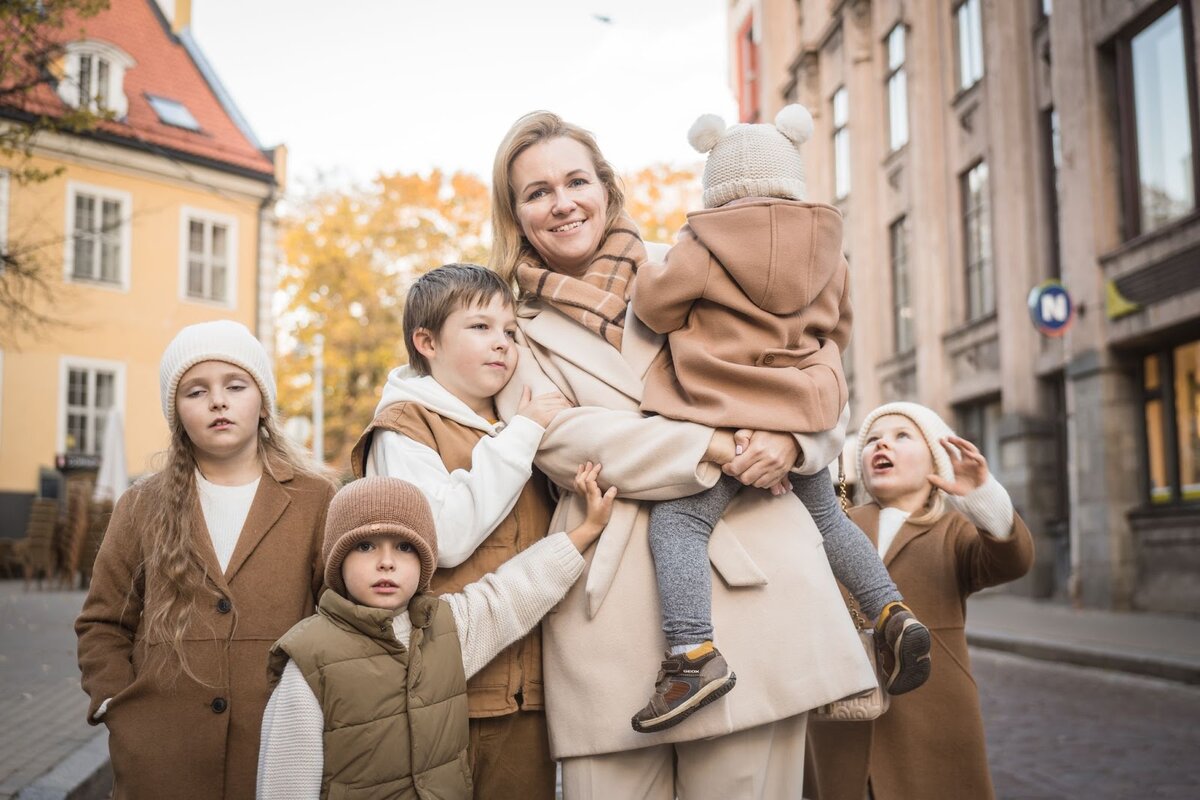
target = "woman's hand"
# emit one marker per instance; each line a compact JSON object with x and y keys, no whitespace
{"x":970,"y":467}
{"x":721,"y":448}
{"x":762,"y":458}
{"x":599,"y":506}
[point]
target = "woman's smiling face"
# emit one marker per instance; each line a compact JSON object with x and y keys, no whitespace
{"x":560,"y":203}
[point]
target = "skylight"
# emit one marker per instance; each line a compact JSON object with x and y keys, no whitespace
{"x":173,"y":112}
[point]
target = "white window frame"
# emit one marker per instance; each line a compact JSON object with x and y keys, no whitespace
{"x":101,"y":193}
{"x":118,"y":62}
{"x":897,"y":86}
{"x":968,"y":19}
{"x":65,"y":365}
{"x":841,"y":142}
{"x":4,"y":184}
{"x":186,"y":215}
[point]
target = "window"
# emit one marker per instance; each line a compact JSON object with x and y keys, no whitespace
{"x":1052,"y":158}
{"x":173,"y":112}
{"x":208,"y":257}
{"x":747,"y":50}
{"x":98,"y":247}
{"x":969,"y":24}
{"x":979,"y":424}
{"x":1158,"y":120}
{"x":977,"y":242}
{"x":897,"y":90}
{"x":1171,"y":394}
{"x":95,"y":77}
{"x":841,"y":143}
{"x":88,"y":390}
{"x":3,"y":217}
{"x":902,"y":314}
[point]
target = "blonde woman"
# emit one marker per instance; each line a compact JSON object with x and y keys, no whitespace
{"x":204,"y":565}
{"x":562,"y":236}
{"x":945,"y":529}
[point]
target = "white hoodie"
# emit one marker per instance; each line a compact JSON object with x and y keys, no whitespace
{"x":467,"y":505}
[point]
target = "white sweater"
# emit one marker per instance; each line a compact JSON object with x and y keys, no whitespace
{"x":490,"y":614}
{"x":467,"y":505}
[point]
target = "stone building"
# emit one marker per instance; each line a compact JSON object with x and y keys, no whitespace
{"x":978,"y":149}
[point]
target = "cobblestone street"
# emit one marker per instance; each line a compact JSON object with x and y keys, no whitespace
{"x":1057,"y":731}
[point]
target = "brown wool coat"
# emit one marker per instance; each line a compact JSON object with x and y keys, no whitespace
{"x":930,"y":743}
{"x":603,"y":643}
{"x":517,"y":670}
{"x":755,"y":300}
{"x":168,"y":737}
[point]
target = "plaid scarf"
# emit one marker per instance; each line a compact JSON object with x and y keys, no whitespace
{"x":598,"y":299}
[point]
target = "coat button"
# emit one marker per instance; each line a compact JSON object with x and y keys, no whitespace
{"x":224,"y":606}
{"x":219,"y":705}
{"x":768,"y":359}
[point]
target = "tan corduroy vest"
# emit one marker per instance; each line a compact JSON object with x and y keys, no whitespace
{"x":517,"y":670}
{"x":405,"y":708}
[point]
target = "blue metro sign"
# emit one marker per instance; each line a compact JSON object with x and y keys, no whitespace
{"x":1051,"y":308}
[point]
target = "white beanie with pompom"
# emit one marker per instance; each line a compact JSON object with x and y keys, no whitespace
{"x":753,"y":160}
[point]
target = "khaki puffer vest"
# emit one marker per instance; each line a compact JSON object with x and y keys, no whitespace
{"x":405,"y":708}
{"x":517,"y":670}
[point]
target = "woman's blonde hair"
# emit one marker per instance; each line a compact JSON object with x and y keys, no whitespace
{"x":509,"y":245}
{"x":179,"y":571}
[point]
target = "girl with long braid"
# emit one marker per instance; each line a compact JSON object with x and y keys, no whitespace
{"x":204,"y":565}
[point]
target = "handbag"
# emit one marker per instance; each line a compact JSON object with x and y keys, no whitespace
{"x":872,"y":703}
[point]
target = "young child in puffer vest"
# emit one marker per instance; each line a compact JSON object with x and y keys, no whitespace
{"x":754,"y":300}
{"x":371,"y":694}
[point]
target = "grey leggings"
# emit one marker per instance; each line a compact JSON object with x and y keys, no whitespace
{"x":679,"y":533}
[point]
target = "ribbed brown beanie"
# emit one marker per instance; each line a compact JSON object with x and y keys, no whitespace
{"x":372,"y":507}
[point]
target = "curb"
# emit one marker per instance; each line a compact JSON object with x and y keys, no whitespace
{"x":1165,"y":667}
{"x":83,"y":775}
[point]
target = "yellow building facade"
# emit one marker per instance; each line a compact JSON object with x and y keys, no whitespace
{"x":141,"y":232}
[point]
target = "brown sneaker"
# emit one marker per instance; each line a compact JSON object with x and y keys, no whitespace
{"x":903,"y":649}
{"x":684,"y":684}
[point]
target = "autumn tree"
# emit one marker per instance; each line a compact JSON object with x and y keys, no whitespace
{"x":349,"y":258}
{"x":658,"y":197}
{"x":32,"y":40}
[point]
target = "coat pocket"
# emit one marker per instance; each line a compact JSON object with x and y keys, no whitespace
{"x":731,"y":560}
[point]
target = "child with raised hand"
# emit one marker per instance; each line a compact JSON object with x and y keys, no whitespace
{"x":204,"y":564}
{"x":436,"y":426}
{"x":372,"y":692}
{"x":754,"y":300}
{"x":945,"y":528}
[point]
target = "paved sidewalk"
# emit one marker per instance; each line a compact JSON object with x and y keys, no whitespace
{"x":1159,"y":645}
{"x":47,"y":749}
{"x":48,"y":752}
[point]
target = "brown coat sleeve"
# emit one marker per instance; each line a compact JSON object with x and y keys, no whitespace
{"x":318,"y":563}
{"x":984,"y":560}
{"x":113,"y":608}
{"x":664,"y":293}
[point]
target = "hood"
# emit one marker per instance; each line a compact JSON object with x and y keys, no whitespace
{"x":781,"y":253}
{"x":404,"y":385}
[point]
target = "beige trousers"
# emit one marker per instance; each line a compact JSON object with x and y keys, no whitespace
{"x":763,"y":763}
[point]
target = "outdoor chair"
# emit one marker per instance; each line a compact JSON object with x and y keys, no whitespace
{"x":37,"y":553}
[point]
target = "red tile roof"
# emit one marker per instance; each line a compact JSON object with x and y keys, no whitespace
{"x":163,"y":68}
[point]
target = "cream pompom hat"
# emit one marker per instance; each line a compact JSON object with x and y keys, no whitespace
{"x":753,"y":160}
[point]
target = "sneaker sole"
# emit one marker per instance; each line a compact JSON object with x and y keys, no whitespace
{"x":708,"y":694}
{"x":912,"y":659}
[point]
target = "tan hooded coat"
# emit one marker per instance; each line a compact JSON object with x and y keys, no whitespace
{"x":754,"y":299}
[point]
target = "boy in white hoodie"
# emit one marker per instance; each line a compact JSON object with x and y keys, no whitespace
{"x":436,"y":427}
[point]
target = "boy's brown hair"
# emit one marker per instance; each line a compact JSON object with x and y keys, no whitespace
{"x":439,"y":293}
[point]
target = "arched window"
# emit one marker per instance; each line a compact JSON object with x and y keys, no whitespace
{"x":94,"y":77}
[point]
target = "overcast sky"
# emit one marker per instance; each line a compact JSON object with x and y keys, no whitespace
{"x":363,"y":86}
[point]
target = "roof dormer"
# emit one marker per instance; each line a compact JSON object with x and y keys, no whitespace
{"x":94,"y":77}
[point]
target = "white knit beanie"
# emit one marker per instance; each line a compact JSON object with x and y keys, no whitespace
{"x":753,"y":160}
{"x":932,"y":427}
{"x":219,"y":340}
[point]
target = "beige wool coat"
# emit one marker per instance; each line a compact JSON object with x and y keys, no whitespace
{"x":779,"y":618}
{"x":755,"y":301}
{"x":930,"y":742}
{"x":170,"y":736}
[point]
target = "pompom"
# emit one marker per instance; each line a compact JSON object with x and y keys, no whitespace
{"x":705,"y":132}
{"x":794,"y":122}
